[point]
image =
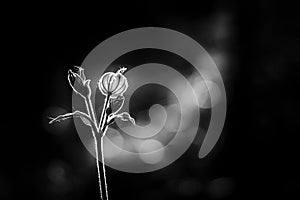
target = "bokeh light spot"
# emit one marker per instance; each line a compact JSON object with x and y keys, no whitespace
{"x":152,"y":146}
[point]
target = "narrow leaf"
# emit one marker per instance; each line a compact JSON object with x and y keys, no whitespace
{"x":85,"y":121}
{"x":125,"y":117}
{"x":117,"y":104}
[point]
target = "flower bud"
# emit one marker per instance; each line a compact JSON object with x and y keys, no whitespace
{"x":113,"y":84}
{"x":81,"y":84}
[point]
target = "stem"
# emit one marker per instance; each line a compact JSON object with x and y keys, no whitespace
{"x":103,"y":166}
{"x":89,"y":107}
{"x":103,"y":125}
{"x":97,"y":163}
{"x":101,"y":174}
{"x":103,"y":115}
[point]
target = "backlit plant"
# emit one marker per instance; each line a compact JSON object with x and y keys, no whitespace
{"x":112,"y":86}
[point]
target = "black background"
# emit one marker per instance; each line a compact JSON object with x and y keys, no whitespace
{"x":257,"y":153}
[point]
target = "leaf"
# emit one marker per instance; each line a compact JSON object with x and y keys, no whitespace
{"x":110,"y":121}
{"x":84,"y":117}
{"x":85,"y":121}
{"x":117,"y":104}
{"x":125,"y":117}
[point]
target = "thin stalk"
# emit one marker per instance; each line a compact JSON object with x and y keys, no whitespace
{"x":90,"y":111}
{"x":89,"y":107}
{"x":103,"y":166}
{"x":97,"y":163}
{"x":103,"y":114}
{"x":102,"y":123}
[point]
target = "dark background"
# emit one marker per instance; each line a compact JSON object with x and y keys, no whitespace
{"x":257,"y":153}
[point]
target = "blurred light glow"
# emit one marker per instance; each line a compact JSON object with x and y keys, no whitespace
{"x":57,"y":175}
{"x":173,"y":112}
{"x":189,"y":187}
{"x":221,"y":187}
{"x":113,"y":142}
{"x":188,"y":103}
{"x":158,"y":116}
{"x":221,"y":26}
{"x":208,"y":93}
{"x":219,"y":58}
{"x":174,"y":80}
{"x":148,"y":146}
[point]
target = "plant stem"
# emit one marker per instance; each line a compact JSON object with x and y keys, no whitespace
{"x":100,"y":128}
{"x":103,"y":167}
{"x":103,"y":115}
{"x":97,"y":163}
{"x":96,"y":129}
{"x":103,"y":129}
{"x":89,"y":107}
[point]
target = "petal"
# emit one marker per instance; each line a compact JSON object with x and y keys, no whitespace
{"x":81,"y":73}
{"x":103,"y":83}
{"x":78,"y":80}
{"x":113,"y":84}
{"x":116,"y":83}
{"x":102,"y":90}
{"x":120,"y":82}
{"x":109,"y":81}
{"x":123,"y":87}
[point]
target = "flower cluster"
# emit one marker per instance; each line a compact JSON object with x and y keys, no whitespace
{"x":112,"y":86}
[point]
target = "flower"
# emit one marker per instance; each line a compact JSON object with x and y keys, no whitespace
{"x":113,"y":84}
{"x":82,"y":85}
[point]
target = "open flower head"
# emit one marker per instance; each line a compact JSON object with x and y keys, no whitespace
{"x":113,"y":84}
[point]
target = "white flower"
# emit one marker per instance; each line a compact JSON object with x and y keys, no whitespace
{"x":113,"y":84}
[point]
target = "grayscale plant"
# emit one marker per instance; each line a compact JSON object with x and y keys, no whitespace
{"x":112,"y":86}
